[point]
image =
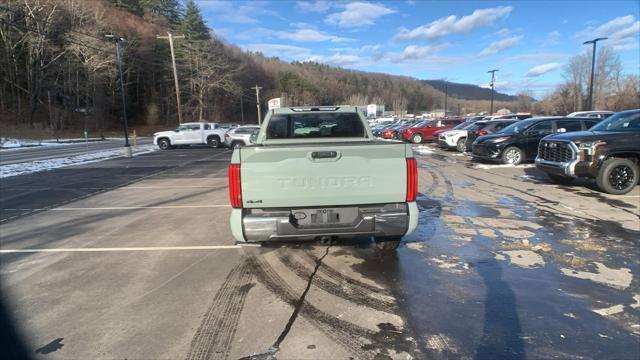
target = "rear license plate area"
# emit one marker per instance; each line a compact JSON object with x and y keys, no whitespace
{"x":324,"y":216}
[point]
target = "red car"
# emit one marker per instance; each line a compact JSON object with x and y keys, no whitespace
{"x":417,"y":135}
{"x":388,"y":134}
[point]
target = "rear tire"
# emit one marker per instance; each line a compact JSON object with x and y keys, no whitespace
{"x":617,"y":176}
{"x":417,"y":139}
{"x":213,"y":142}
{"x":512,"y":155}
{"x":164,"y":144}
{"x":559,"y":179}
{"x":387,"y":243}
{"x":461,"y":145}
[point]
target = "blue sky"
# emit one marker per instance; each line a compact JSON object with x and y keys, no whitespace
{"x":529,"y":41}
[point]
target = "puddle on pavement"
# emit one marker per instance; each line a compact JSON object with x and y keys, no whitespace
{"x":483,"y":292}
{"x":475,"y":209}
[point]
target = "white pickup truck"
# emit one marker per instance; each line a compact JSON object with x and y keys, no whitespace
{"x":194,"y":133}
{"x":318,"y":173}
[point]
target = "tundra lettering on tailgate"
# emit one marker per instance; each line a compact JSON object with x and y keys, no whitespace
{"x":329,"y":182}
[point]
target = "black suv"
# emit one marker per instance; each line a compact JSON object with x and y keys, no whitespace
{"x":608,"y":152}
{"x":518,"y":142}
{"x":485,"y":127}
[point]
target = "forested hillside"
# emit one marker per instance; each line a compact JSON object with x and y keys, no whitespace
{"x":58,"y":70}
{"x":469,"y":91}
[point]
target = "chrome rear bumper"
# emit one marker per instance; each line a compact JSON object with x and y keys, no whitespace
{"x":362,"y":220}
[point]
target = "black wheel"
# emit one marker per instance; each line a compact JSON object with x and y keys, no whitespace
{"x":617,"y":176}
{"x":559,"y":179}
{"x":512,"y":155}
{"x":416,"y":138}
{"x":236,"y":145}
{"x":213,"y":142}
{"x":164,"y":144}
{"x":461,"y":145}
{"x":387,"y":243}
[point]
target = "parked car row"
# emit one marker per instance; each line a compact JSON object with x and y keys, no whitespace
{"x":600,"y":145}
{"x":205,"y":133}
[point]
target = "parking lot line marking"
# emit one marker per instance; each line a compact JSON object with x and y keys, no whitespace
{"x":155,"y":248}
{"x":124,"y":208}
{"x":111,"y":188}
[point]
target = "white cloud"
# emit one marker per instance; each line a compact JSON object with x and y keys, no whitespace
{"x":536,"y":58}
{"x":299,"y":35}
{"x":337,"y":59}
{"x":318,"y":6}
{"x":552,"y":39}
{"x":452,"y":24}
{"x":236,"y":12}
{"x":502,"y":32}
{"x":497,"y":46}
{"x":542,"y":69}
{"x":225,"y":11}
{"x":358,"y":14}
{"x":621,"y":31}
{"x":309,"y":35}
{"x":414,"y":52}
{"x":367,"y":49}
{"x":280,"y":50}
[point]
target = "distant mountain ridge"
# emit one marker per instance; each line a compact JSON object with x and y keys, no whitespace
{"x":469,"y":91}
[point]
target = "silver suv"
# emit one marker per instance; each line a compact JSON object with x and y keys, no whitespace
{"x":239,"y":136}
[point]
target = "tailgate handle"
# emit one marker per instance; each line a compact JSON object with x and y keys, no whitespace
{"x":324,"y":154}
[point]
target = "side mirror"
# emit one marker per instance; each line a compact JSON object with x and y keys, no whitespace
{"x":254,"y":136}
{"x":176,"y":130}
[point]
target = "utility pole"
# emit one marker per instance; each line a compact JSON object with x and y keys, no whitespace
{"x":493,"y":80}
{"x":446,"y":95}
{"x":242,"y":108}
{"x":593,"y":63}
{"x":258,"y":103}
{"x":175,"y":72}
{"x":118,"y":40}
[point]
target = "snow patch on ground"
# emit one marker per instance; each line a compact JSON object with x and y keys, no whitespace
{"x":616,"y":278}
{"x":610,"y":310}
{"x":50,"y":164}
{"x":7,"y":144}
{"x":423,"y":150}
{"x":524,"y":258}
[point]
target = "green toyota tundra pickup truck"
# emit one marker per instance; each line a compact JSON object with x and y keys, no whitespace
{"x":318,"y":173}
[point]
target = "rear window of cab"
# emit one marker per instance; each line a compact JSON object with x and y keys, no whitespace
{"x":315,"y":125}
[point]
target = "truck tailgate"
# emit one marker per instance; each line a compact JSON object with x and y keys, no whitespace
{"x":324,"y":175}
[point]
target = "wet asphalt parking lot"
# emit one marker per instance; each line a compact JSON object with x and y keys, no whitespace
{"x":133,"y":258}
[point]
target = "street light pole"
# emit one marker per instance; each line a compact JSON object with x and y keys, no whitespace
{"x":493,"y":78}
{"x":118,"y":40}
{"x":593,"y":63}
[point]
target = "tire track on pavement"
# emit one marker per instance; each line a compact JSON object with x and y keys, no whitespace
{"x":213,"y":338}
{"x":351,"y":294}
{"x":335,"y":275}
{"x":348,"y":335}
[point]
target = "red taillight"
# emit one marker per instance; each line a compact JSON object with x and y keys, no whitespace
{"x":235,"y":188}
{"x":412,"y":179}
{"x":483,"y":132}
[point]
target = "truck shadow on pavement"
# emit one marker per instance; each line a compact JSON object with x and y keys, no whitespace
{"x":501,"y":337}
